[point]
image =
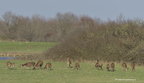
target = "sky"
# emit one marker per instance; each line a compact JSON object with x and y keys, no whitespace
{"x":103,"y":9}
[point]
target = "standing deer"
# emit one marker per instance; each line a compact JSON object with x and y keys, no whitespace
{"x":77,"y":66}
{"x":9,"y":64}
{"x":133,"y":66}
{"x":69,"y":62}
{"x":98,"y":65}
{"x":48,"y":65}
{"x":112,"y":66}
{"x":124,"y":66}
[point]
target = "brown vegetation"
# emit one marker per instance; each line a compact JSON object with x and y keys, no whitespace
{"x":36,"y":28}
{"x":82,"y":38}
{"x":117,"y":41}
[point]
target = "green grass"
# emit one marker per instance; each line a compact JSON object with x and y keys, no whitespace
{"x":25,"y":47}
{"x":61,"y":74}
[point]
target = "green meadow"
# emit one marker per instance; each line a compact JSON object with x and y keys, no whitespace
{"x":62,"y":74}
{"x":25,"y":47}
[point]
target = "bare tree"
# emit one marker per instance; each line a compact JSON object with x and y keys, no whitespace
{"x":66,"y":23}
{"x":10,"y":19}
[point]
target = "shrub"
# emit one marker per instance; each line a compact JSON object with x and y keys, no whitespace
{"x":109,"y":41}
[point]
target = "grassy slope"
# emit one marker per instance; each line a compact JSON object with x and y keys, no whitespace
{"x":25,"y":47}
{"x":62,"y":74}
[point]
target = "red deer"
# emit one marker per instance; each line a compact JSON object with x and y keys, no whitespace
{"x":98,"y":64}
{"x":9,"y":64}
{"x":69,"y":62}
{"x":112,"y":66}
{"x":48,"y":65}
{"x":39,"y":64}
{"x":133,"y":66}
{"x":77,"y":66}
{"x":124,"y":66}
{"x":108,"y":67}
{"x":28,"y":64}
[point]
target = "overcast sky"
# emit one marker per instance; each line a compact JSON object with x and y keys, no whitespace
{"x":102,"y":9}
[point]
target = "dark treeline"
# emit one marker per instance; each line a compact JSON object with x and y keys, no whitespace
{"x":81,"y":37}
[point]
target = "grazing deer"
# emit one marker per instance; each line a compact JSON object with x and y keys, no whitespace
{"x":98,"y":64}
{"x":28,"y":64}
{"x":124,"y":66}
{"x":48,"y":65}
{"x":108,"y":67}
{"x":112,"y":66}
{"x":69,"y":62}
{"x":77,"y":66}
{"x":39,"y":64}
{"x":133,"y":66}
{"x":9,"y":64}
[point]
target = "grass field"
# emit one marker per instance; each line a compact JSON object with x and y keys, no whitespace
{"x":61,"y":74}
{"x":25,"y":47}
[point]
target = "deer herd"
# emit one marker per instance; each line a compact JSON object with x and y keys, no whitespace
{"x":98,"y":65}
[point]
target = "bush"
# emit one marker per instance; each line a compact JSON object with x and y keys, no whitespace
{"x":109,"y":41}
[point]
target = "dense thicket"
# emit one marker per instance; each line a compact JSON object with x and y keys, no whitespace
{"x":121,"y":40}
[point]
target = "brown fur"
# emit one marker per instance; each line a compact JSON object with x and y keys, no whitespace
{"x":48,"y":65}
{"x":69,"y":62}
{"x":108,"y":67}
{"x":39,"y":64}
{"x":28,"y":64}
{"x":9,"y":64}
{"x":98,"y":64}
{"x":133,"y":66}
{"x":124,"y":66}
{"x":77,"y":66}
{"x":112,"y":66}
